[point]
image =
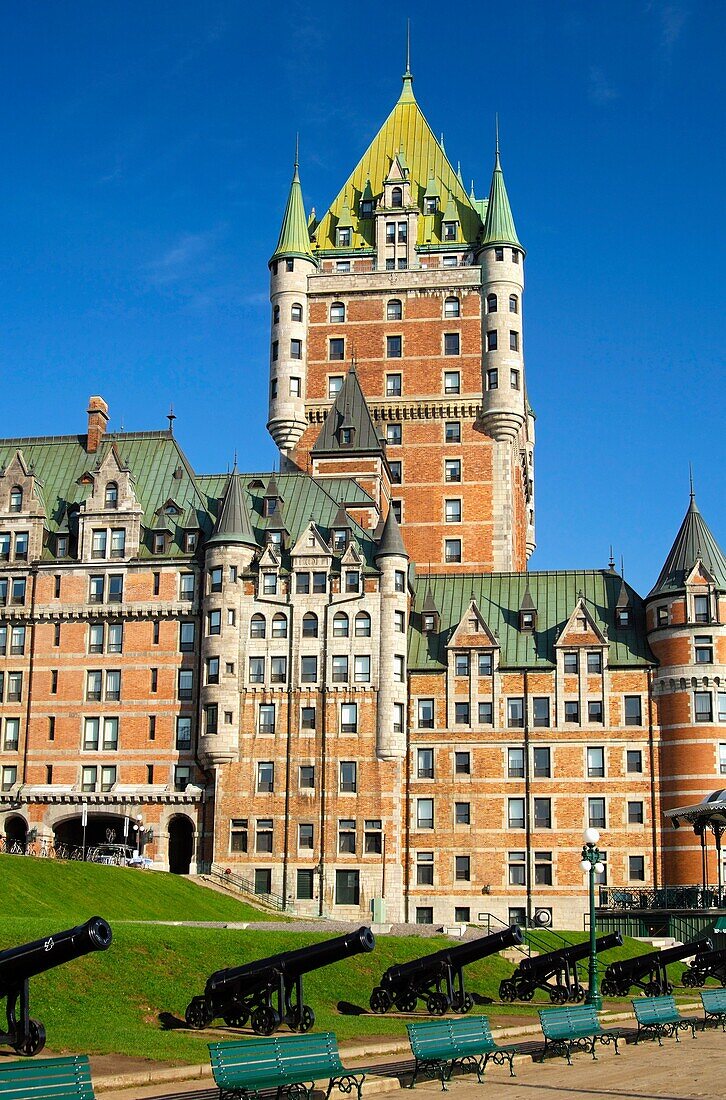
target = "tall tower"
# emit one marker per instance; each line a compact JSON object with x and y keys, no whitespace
{"x":686,"y":613}
{"x":290,"y":265}
{"x":398,"y":273}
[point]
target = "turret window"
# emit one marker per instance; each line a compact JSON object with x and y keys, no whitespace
{"x":452,"y":307}
{"x":295,"y":387}
{"x":397,"y":197}
{"x":276,"y":315}
{"x":394,"y":310}
{"x":513,"y":341}
{"x":702,"y":706}
{"x":296,"y":349}
{"x":662,"y":616}
{"x":337,"y":313}
{"x":498,"y":253}
{"x":289,"y":265}
{"x":514,"y":379}
{"x":491,"y":303}
{"x":515,"y":255}
{"x":493,"y":379}
{"x":701,"y":609}
{"x":513,"y":303}
{"x":275,"y":350}
{"x":296,"y":312}
{"x":703,"y":649}
{"x":492,"y":340}
{"x":337,"y":349}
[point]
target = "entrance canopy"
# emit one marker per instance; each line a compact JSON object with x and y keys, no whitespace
{"x":710,"y":813}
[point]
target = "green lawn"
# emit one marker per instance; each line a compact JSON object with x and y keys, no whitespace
{"x":67,"y":893}
{"x":129,"y":999}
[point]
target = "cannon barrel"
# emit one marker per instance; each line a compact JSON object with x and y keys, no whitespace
{"x":455,"y":956}
{"x":19,"y":963}
{"x":262,"y":972}
{"x":631,"y":969}
{"x":541,"y":964}
{"x":707,"y":959}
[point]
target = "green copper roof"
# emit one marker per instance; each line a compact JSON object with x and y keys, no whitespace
{"x":498,"y":222}
{"x":294,"y":239}
{"x":694,"y":541}
{"x":499,"y":597}
{"x":233,"y":524}
{"x":349,"y":410}
{"x":391,"y":543}
{"x":404,"y":129}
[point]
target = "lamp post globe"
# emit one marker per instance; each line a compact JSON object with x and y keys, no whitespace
{"x":592,"y":864}
{"x":591,"y":836}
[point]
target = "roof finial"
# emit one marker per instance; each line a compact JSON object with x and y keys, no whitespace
{"x":690,"y":478}
{"x":441,"y":143}
{"x":171,"y":417}
{"x":408,"y":48}
{"x":234,"y":467}
{"x":297,"y":149}
{"x":496,"y":133}
{"x":622,"y":567}
{"x":611,"y":562}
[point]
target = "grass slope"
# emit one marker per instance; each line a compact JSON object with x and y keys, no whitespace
{"x":124,"y":999}
{"x":67,"y":893}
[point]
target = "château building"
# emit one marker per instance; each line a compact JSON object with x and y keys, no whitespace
{"x":340,"y":681}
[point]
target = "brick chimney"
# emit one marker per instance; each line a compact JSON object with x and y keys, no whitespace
{"x":97,"y":421}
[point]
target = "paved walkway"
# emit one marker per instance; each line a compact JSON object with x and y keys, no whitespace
{"x":693,"y":1069}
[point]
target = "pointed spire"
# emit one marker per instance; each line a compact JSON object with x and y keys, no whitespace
{"x":233,"y":522}
{"x":694,"y":542}
{"x":391,"y":544}
{"x":458,"y":173}
{"x":690,"y":478}
{"x":499,"y":223}
{"x":350,"y":410}
{"x":294,"y":239}
{"x":441,"y":143}
{"x":407,"y":95}
{"x":345,"y":221}
{"x":472,"y":194}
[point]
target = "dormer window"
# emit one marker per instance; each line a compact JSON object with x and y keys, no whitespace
{"x":623,"y":616}
{"x":274,"y":538}
{"x":159,"y":542}
{"x":111,"y":495}
{"x":268,"y":506}
{"x":701,"y":611}
{"x":397,"y":196}
{"x":61,"y":546}
{"x":366,"y":208}
{"x":526,"y":620}
{"x":430,"y":622}
{"x":449,"y":231}
{"x":190,"y":541}
{"x":344,"y":237}
{"x":431,"y":204}
{"x":345,"y":437}
{"x":340,"y":539}
{"x":16,"y":499}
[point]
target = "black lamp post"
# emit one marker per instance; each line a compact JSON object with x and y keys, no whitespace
{"x":592,"y":865}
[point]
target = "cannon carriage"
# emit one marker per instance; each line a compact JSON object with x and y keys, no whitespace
{"x":269,"y":991}
{"x":705,"y":965}
{"x":19,"y":964}
{"x":648,"y":972}
{"x":438,"y":979}
{"x":555,"y":972}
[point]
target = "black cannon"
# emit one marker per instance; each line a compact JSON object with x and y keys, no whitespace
{"x":438,"y":979}
{"x":648,"y":972}
{"x":555,"y":972}
{"x":19,"y":964}
{"x":707,"y":964}
{"x":249,"y":991}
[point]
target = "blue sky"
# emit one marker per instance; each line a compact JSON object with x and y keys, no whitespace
{"x":147,"y":155}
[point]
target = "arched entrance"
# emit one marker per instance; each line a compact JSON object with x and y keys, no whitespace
{"x":16,"y":831}
{"x":181,"y":844}
{"x":101,"y":829}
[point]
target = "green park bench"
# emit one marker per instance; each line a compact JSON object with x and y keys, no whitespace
{"x":440,"y":1045}
{"x":658,"y":1016}
{"x":714,"y":1006}
{"x":574,"y":1027}
{"x":59,"y":1078}
{"x":291,"y":1064}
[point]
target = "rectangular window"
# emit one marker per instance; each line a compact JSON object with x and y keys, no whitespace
{"x":305,"y":881}
{"x":571,"y":663}
{"x":453,"y":511}
{"x":347,"y":888}
{"x":492,"y":340}
{"x":452,"y":431}
{"x":399,"y":669}
{"x":486,"y":714}
{"x":305,"y":835}
{"x":703,"y":645}
{"x":633,"y":710}
{"x":373,"y":836}
{"x":89,"y":778}
{"x":513,"y":341}
{"x":635,"y":813}
{"x":721,"y":705}
{"x":703,"y":706}
{"x":98,"y":544}
{"x":185,"y":684}
{"x":461,"y":714}
{"x":452,"y":470}
{"x":701,"y":609}
{"x":634,"y":761}
{"x":424,"y":813}
{"x":17,"y":641}
{"x":263,"y":835}
{"x":398,"y":717}
{"x":266,"y":776}
{"x":257,"y":670}
{"x":514,"y":379}
{"x":393,"y":384}
{"x":515,"y":713}
{"x":517,"y":868}
{"x":302,"y":583}
{"x":425,"y":913}
{"x":118,"y":542}
{"x":295,"y":387}
{"x":346,"y":836}
{"x":214,"y":622}
{"x":113,"y":685}
{"x":186,"y":637}
{"x":596,"y":813}
{"x":394,"y":350}
{"x":91,"y":731}
{"x":462,"y":868}
{"x":296,"y":349}
{"x":335,"y":384}
{"x":348,"y":776}
{"x":348,"y":717}
{"x":115,"y":588}
{"x":424,"y":868}
{"x":352,"y":580}
{"x":340,"y":669}
{"x":399,"y":622}
{"x":95,"y":589}
{"x":543,"y":813}
{"x":238,"y":838}
{"x":486,"y":664}
{"x":595,"y":710}
{"x":11,"y":736}
{"x":263,"y":876}
{"x":542,"y":763}
{"x":396,"y":469}
{"x":543,"y":868}
{"x":278,"y":670}
{"x":462,"y":763}
{"x":452,"y":550}
{"x":541,"y":710}
{"x":267,"y":718}
{"x":307,"y":777}
{"x":183,"y":734}
{"x":307,"y":718}
{"x":462,"y":813}
{"x":572,"y":711}
{"x":393,"y":435}
{"x":211,"y":719}
{"x":115,"y":638}
{"x":337,"y":349}
{"x":362,"y":670}
{"x":425,"y":714}
{"x":110,"y":734}
{"x":515,"y":763}
{"x":636,"y":868}
{"x":596,"y":762}
{"x":461,"y":664}
{"x":308,"y":670}
{"x":515,"y":813}
{"x":452,"y":342}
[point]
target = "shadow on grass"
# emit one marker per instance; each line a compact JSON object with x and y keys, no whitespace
{"x":170,"y":1022}
{"x":345,"y":1008}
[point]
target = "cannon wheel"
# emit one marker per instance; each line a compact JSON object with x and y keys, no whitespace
{"x":462,"y":1004}
{"x":436,"y":1004}
{"x":525,"y":992}
{"x":33,"y":1041}
{"x":559,"y":995}
{"x":653,"y":989}
{"x":693,"y":978}
{"x":237,"y":1019}
{"x":198,"y":1013}
{"x":507,"y":990}
{"x":608,"y":988}
{"x":301,"y":1019}
{"x":265,"y":1020}
{"x":577,"y":994}
{"x":380,"y":1000}
{"x":406,"y":1002}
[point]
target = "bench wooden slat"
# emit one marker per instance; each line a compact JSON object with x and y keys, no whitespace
{"x":438,"y":1046}
{"x":659,"y":1016}
{"x":47,"y":1079}
{"x":244,"y":1068}
{"x":574,"y":1026}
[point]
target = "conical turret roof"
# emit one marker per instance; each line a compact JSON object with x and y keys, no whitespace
{"x":349,"y":410}
{"x":391,"y":544}
{"x":233,"y":523}
{"x":499,"y":223}
{"x":294,"y":239}
{"x":694,"y":542}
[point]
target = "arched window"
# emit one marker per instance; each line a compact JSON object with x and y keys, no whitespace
{"x":452,"y":307}
{"x":513,"y":303}
{"x":340,"y":625}
{"x":396,"y":197}
{"x":16,"y":499}
{"x":276,"y":315}
{"x":491,"y":303}
{"x":258,"y":626}
{"x":310,"y":625}
{"x":362,"y":625}
{"x":279,"y":626}
{"x":296,"y":313}
{"x":111,"y":495}
{"x":394,"y":310}
{"x":337,"y":313}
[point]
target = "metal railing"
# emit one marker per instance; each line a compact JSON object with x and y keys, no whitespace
{"x":246,"y":886}
{"x":622,"y":899}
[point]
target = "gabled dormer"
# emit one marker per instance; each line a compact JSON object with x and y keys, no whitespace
{"x":272,"y":497}
{"x":367,"y":202}
{"x":269,"y":571}
{"x":276,"y":533}
{"x":311,"y":548}
{"x":581,"y":628}
{"x":345,"y":227}
{"x":450,"y":222}
{"x":432,"y":198}
{"x":351,"y":569}
{"x":341,"y":531}
{"x":430,"y":617}
{"x":22,"y":511}
{"x":623,"y":607}
{"x":397,"y":185}
{"x":581,"y":646}
{"x":472,"y":631}
{"x":527,"y":612}
{"x":110,"y":516}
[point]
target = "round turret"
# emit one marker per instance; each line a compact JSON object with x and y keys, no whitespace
{"x":503,"y":398}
